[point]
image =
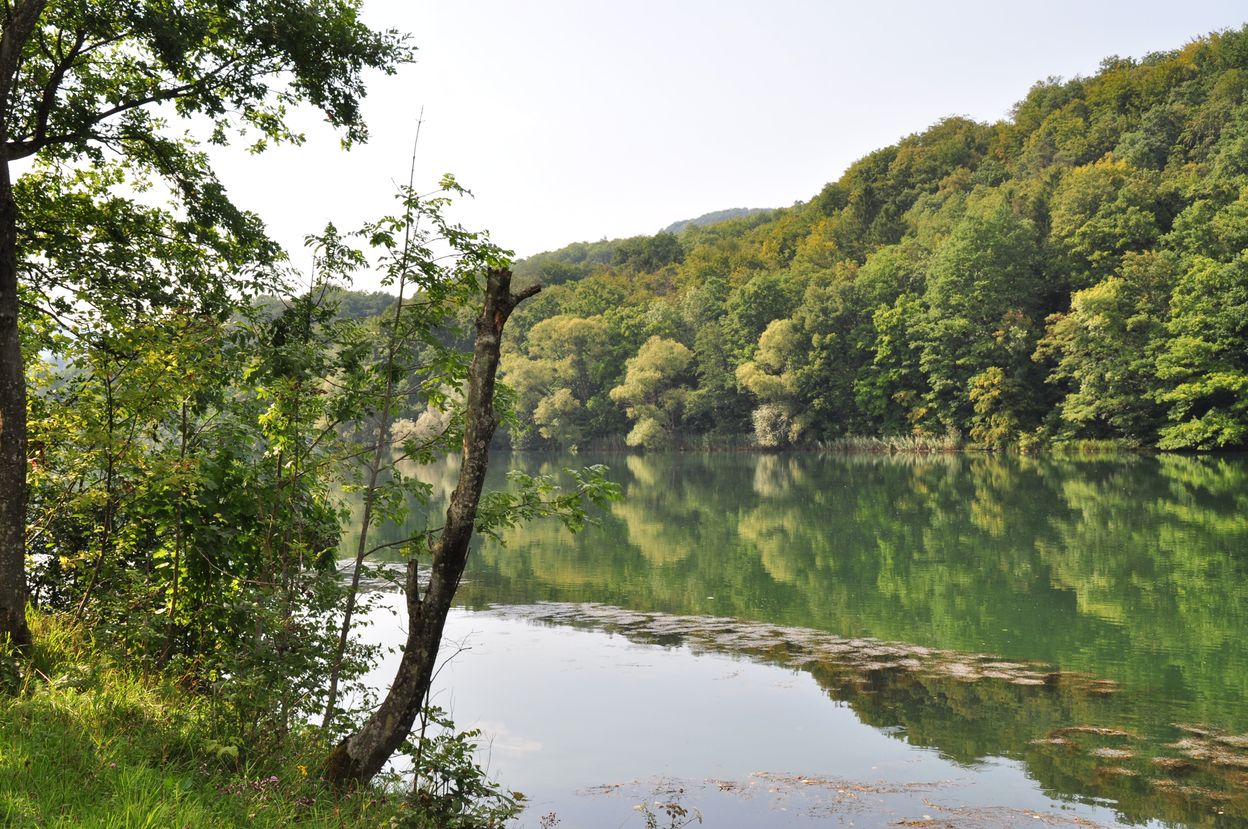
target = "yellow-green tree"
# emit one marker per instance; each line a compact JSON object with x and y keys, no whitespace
{"x":1100,"y":212}
{"x":555,"y":380}
{"x":1105,"y":348}
{"x":772,"y":377}
{"x":654,"y":392}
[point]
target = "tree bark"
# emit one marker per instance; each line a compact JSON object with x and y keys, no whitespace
{"x":359,"y":757}
{"x":12,"y":432}
{"x":18,"y":27}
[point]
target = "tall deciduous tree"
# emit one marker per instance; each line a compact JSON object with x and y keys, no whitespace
{"x":1105,"y":348}
{"x":1205,"y":360}
{"x":555,"y":381}
{"x":981,"y":294}
{"x":88,"y":82}
{"x":654,"y":391}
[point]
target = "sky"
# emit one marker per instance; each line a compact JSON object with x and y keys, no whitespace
{"x":577,"y":120}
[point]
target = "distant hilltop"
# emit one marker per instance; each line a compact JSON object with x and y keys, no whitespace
{"x":712,"y":218}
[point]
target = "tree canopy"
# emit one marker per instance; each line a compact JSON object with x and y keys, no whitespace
{"x":121,"y":216}
{"x":1071,"y":272}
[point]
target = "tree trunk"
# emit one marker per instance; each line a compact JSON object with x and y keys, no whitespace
{"x":360,"y":756}
{"x":20,"y":22}
{"x":12,"y":432}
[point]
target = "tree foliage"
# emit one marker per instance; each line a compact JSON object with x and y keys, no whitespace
{"x":1069,"y":272}
{"x":98,"y":95}
{"x":654,"y":391}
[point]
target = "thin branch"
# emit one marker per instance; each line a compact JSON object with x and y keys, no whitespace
{"x":14,"y":150}
{"x":48,"y":312}
{"x":53,"y":86}
{"x":390,"y":544}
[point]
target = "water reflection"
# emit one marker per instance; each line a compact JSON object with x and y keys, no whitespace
{"x":1078,"y":735}
{"x":1131,"y":571}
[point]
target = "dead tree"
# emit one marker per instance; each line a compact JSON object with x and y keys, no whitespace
{"x":360,"y":756}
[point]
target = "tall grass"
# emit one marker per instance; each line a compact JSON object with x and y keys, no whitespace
{"x":1095,"y":447}
{"x":895,"y":444}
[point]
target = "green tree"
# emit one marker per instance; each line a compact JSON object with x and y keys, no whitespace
{"x":648,"y":253}
{"x":751,"y":307}
{"x":654,"y":392}
{"x":803,"y":368}
{"x":836,"y":324}
{"x":1106,"y":346}
{"x":80,"y":83}
{"x":1205,"y":361}
{"x":717,"y":404}
{"x":982,"y":288}
{"x":180,"y":504}
{"x":1208,"y":228}
{"x":891,"y":390}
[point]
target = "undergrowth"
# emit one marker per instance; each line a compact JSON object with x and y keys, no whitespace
{"x":87,"y":742}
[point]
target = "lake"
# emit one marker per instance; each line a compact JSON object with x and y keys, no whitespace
{"x":810,"y":640}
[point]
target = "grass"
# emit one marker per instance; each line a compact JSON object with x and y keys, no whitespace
{"x":85,"y":742}
{"x":1094,"y":447}
{"x":895,"y":444}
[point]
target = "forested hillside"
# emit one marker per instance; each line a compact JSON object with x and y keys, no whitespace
{"x":1077,"y":271}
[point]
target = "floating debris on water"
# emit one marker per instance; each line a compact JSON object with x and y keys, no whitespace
{"x":879,"y":678}
{"x":1053,"y":741}
{"x":1095,"y":730}
{"x":992,"y":817}
{"x":802,"y":646}
{"x":1173,"y":765}
{"x":1211,"y":750}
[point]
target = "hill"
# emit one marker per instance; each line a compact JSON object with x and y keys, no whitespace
{"x":1075,"y":271}
{"x":713,"y":218}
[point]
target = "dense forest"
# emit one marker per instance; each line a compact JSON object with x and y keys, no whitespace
{"x":1074,"y":272}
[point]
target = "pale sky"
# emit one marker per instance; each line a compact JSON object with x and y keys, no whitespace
{"x":575,"y":120}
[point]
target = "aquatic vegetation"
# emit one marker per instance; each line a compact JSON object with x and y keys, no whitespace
{"x":1062,"y":724}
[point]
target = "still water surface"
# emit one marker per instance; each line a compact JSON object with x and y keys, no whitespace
{"x":821,"y":640}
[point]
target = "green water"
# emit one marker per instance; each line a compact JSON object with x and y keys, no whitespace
{"x":1123,"y":582}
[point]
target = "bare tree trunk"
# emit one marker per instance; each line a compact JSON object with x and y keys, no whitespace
{"x":360,"y":756}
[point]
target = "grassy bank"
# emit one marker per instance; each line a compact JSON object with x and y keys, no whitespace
{"x":85,"y":742}
{"x":865,"y":445}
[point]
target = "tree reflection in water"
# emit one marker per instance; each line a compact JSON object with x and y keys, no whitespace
{"x":1121,"y":582}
